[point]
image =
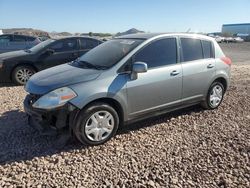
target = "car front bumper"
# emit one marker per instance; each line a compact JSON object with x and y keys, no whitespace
{"x":4,"y":75}
{"x":47,"y":120}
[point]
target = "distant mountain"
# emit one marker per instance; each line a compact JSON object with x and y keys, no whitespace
{"x":130,"y":31}
{"x":26,"y":31}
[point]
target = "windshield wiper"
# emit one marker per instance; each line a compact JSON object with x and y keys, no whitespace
{"x":91,"y":66}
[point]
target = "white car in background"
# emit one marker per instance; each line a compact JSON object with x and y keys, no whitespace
{"x":238,"y":39}
{"x":219,"y":39}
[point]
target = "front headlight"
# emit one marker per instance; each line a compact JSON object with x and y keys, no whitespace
{"x":55,"y":98}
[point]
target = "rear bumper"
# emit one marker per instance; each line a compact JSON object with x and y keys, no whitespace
{"x":47,"y":120}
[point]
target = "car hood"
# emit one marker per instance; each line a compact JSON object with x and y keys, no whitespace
{"x":59,"y":76}
{"x":8,"y":55}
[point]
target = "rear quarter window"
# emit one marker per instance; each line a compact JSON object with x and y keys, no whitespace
{"x":191,"y":49}
{"x":207,"y":49}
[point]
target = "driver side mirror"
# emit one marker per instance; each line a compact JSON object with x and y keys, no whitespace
{"x":138,"y":67}
{"x":49,"y":52}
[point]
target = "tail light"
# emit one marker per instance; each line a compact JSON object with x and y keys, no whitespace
{"x":226,"y":60}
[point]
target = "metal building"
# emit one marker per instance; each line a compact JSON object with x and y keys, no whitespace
{"x":234,"y":29}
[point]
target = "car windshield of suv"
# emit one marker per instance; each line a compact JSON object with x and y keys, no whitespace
{"x":107,"y":54}
{"x":40,"y":46}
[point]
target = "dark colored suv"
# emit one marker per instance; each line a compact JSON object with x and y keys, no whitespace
{"x":18,"y":66}
{"x":12,"y":42}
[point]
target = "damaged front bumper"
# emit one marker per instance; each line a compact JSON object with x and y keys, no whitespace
{"x":48,"y":120}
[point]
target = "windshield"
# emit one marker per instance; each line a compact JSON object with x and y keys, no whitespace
{"x":109,"y":53}
{"x":41,"y":45}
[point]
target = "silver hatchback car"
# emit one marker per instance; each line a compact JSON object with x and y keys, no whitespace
{"x":127,"y":79}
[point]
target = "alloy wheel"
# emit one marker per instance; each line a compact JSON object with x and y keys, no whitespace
{"x":23,"y":75}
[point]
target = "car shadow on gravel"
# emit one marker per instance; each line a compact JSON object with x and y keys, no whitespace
{"x":7,"y":85}
{"x":20,"y":142}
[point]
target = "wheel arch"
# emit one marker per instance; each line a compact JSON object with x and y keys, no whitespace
{"x":223,"y":81}
{"x":113,"y":103}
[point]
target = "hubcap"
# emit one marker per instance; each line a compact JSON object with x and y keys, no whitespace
{"x":99,"y":126}
{"x":23,"y":75}
{"x":216,"y":95}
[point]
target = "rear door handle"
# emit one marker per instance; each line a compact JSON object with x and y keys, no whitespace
{"x":174,"y":73}
{"x":74,"y":54}
{"x":210,"y":66}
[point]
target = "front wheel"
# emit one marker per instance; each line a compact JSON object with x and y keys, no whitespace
{"x":214,"y":96}
{"x":21,"y":74}
{"x":96,"y":124}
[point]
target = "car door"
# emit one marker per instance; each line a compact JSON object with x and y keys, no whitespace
{"x":160,"y":87}
{"x":198,"y":68}
{"x":60,"y":52}
{"x":87,"y":44}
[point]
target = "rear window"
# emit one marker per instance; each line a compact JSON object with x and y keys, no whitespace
{"x":207,"y":49}
{"x":191,"y":49}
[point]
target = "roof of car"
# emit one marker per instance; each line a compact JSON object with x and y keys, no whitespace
{"x":18,"y":35}
{"x":70,"y":37}
{"x":151,"y":35}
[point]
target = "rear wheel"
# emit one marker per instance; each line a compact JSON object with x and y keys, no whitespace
{"x":96,"y":124}
{"x":214,"y":96}
{"x":21,"y":74}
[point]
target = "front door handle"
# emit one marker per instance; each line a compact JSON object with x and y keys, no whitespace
{"x":174,"y":73}
{"x":210,"y":66}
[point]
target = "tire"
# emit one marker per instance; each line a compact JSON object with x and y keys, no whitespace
{"x":90,"y":125}
{"x":21,"y":74}
{"x":210,"y":103}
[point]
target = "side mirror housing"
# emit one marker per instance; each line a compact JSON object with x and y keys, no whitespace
{"x":138,"y":67}
{"x":49,"y":51}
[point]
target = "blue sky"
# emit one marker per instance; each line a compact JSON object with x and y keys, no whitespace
{"x":117,"y":15}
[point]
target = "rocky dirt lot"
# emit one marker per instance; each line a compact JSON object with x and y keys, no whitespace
{"x":187,"y":148}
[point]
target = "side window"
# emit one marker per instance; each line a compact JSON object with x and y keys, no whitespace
{"x":30,"y":39}
{"x":159,"y":53}
{"x":5,"y":38}
{"x":18,"y":38}
{"x":207,"y":49}
{"x":191,"y":49}
{"x":88,"y":43}
{"x":64,"y":45}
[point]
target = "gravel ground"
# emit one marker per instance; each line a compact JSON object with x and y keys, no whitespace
{"x":187,"y":148}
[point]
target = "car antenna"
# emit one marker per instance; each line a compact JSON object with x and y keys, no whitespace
{"x":188,"y":30}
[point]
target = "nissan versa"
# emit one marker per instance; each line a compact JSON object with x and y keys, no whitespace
{"x":127,"y":79}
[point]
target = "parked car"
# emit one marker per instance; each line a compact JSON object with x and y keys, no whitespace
{"x":219,"y":39}
{"x":18,"y":66}
{"x":127,"y":79}
{"x":228,"y":39}
{"x":238,"y":39}
{"x":13,"y":42}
